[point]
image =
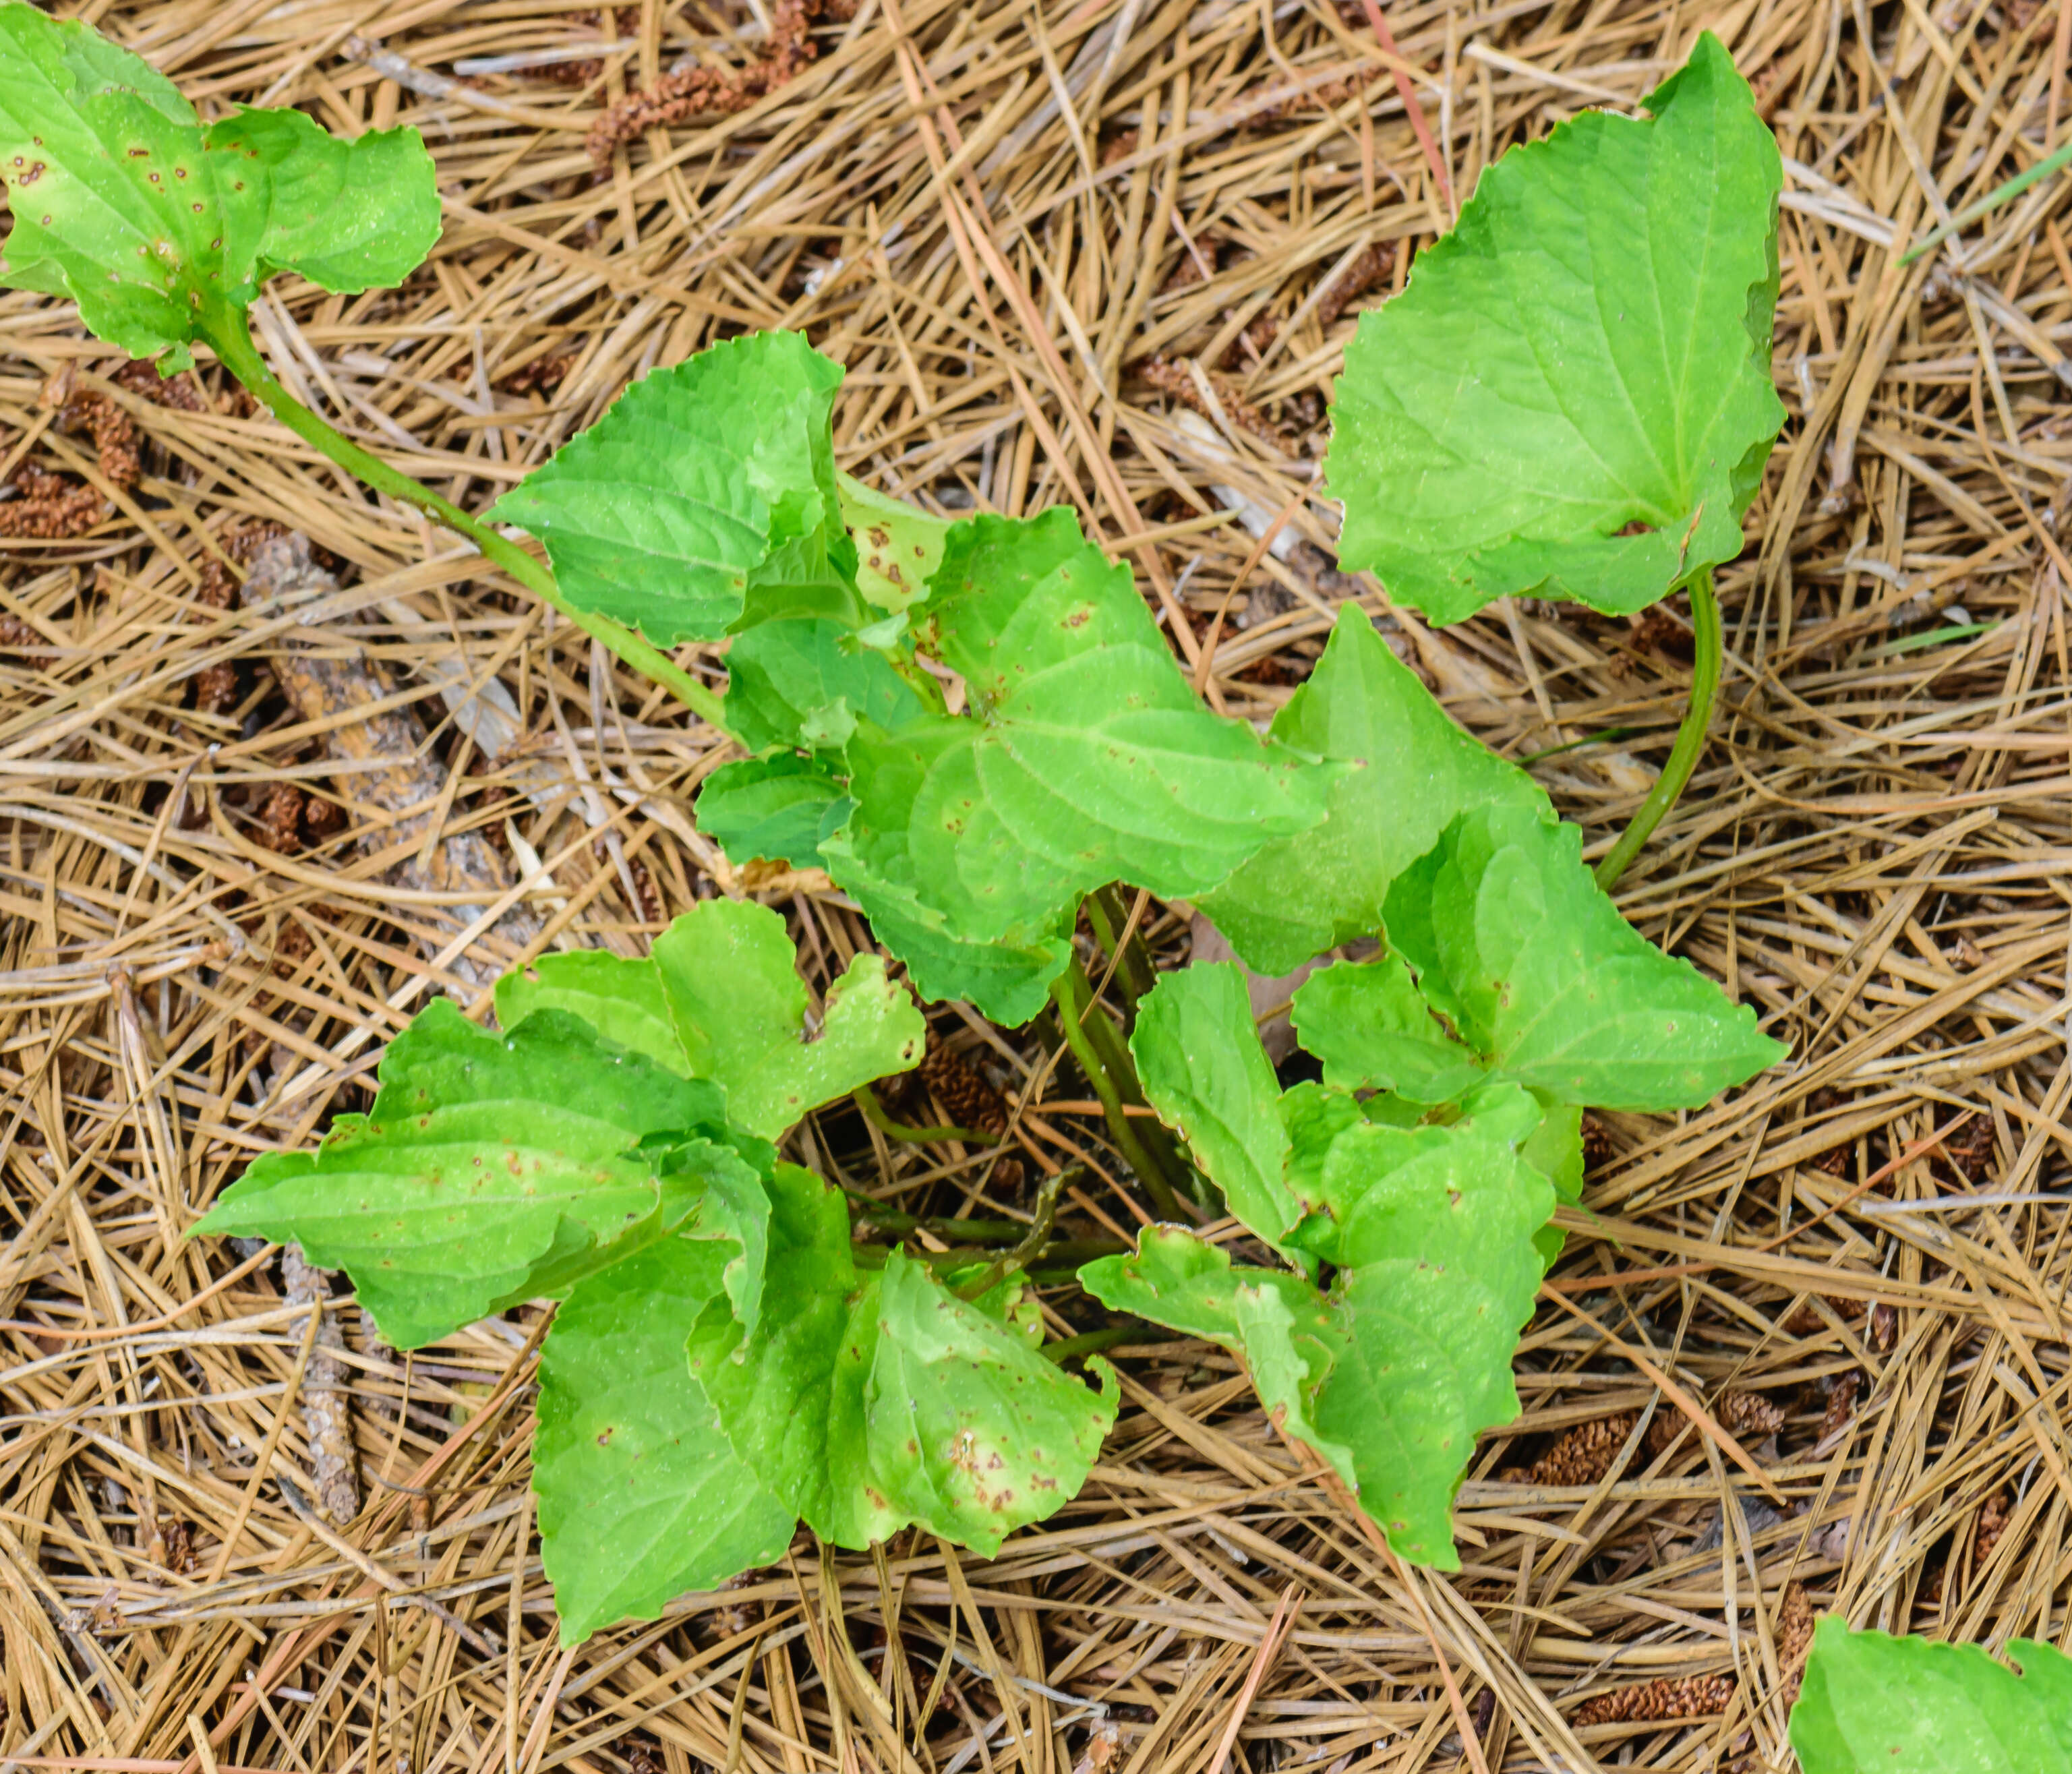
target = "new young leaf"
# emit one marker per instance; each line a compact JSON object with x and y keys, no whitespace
{"x":1588,"y":350}
{"x":1875,"y":1705}
{"x":641,"y":1494}
{"x":160,"y":227}
{"x":701,"y":482}
{"x":876,"y":1400}
{"x":1408,"y":770}
{"x":720,"y":998}
{"x":806,"y":681}
{"x":730,"y":978}
{"x":491,"y":1169}
{"x":1543,"y":982}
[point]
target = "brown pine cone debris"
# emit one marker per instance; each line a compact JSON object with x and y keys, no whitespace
{"x":280,"y":825}
{"x":1585,"y":1454}
{"x":966,"y":1097}
{"x":50,"y":507}
{"x":1691,"y":1697}
{"x":708,"y":92}
{"x":1748,"y":1415}
{"x":1176,"y":381}
{"x":1995,"y":1513}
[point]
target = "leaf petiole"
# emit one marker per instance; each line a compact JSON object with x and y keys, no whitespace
{"x":227,"y":333}
{"x":1134,"y":971}
{"x":1114,"y":1076}
{"x":1092,"y":1342}
{"x":874,"y":1112}
{"x":1028,"y":1250}
{"x":1689,"y":736}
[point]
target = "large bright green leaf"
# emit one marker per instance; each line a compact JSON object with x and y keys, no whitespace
{"x":1283,"y":1330}
{"x":720,"y":998}
{"x":1410,"y":771}
{"x":730,"y":977}
{"x":777,"y":808}
{"x":1543,"y":983}
{"x":1085,"y":757}
{"x":877,"y":1399}
{"x":642,"y":1497}
{"x":491,"y":1169}
{"x":1875,"y":1705}
{"x":1588,"y":350}
{"x":1203,"y":1069}
{"x":701,"y":482}
{"x":158,"y":226}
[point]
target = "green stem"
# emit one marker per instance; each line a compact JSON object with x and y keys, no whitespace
{"x":874,"y":1112}
{"x":1025,"y":1252}
{"x":883,"y":1218}
{"x":1073,"y":993}
{"x":1089,"y":1342}
{"x":1690,"y":737}
{"x":1134,"y":971}
{"x":1992,"y":201}
{"x":234,"y":347}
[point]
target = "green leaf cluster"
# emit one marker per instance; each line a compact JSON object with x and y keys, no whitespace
{"x":1871,"y":1704}
{"x":1408,"y":1193}
{"x":1078,"y":754}
{"x":971,"y":726}
{"x":162,"y":227}
{"x":721,"y":1366}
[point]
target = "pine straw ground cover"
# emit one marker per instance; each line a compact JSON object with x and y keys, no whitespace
{"x":262,"y":795}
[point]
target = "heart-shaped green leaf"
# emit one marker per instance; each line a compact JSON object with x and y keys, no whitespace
{"x":1571,"y":396}
{"x":720,"y":998}
{"x":1407,"y":771}
{"x":1085,"y":757}
{"x":730,"y":976}
{"x":700,"y":484}
{"x":1515,"y":945}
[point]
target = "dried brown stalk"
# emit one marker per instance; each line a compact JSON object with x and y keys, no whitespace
{"x":327,"y":1406}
